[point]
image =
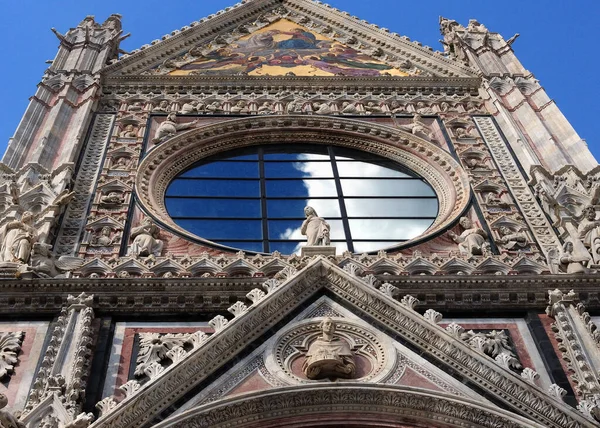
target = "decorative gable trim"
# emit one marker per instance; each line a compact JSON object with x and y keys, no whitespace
{"x":266,"y":311}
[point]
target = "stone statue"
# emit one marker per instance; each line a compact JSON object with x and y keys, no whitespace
{"x":103,"y":239}
{"x":294,"y":107}
{"x":113,"y":198}
{"x":422,"y":108}
{"x":315,"y":228}
{"x":511,"y":240}
{"x":214,"y":107}
{"x":418,"y":128}
{"x":266,"y":108}
{"x":322,"y":108}
{"x":570,"y":261}
{"x":45,"y":266}
{"x":19,"y":237}
{"x":240,"y":107}
{"x":162,"y":106}
{"x":145,"y":240}
{"x":471,"y":241}
{"x":329,"y":356}
{"x":189,"y":107}
{"x":136,"y":106}
{"x":589,"y":233}
{"x":128,"y":132}
{"x":372,"y":108}
{"x":170,"y":127}
{"x":349,"y":108}
{"x":7,"y":420}
{"x":396,"y":107}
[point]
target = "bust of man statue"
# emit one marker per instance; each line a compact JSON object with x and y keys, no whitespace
{"x":329,"y":356}
{"x":315,"y":228}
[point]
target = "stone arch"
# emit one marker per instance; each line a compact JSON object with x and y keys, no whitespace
{"x":349,"y":405}
{"x":162,"y":164}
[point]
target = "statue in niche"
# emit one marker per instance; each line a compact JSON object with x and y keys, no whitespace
{"x":589,"y":233}
{"x":145,"y":240}
{"x":214,"y":107}
{"x":470,"y":242}
{"x":162,"y":106}
{"x":112,"y":198}
{"x":130,"y":131}
{"x":315,"y":228}
{"x":170,"y":127}
{"x":19,"y":237}
{"x":266,"y":108}
{"x":372,"y":108}
{"x":122,"y":162}
{"x":294,"y":107}
{"x":329,"y":356}
{"x":422,"y":108}
{"x":396,"y":107}
{"x":189,"y":107}
{"x":511,"y":240}
{"x":136,"y":106}
{"x":103,"y":238}
{"x":240,"y":107}
{"x":322,"y":108}
{"x":493,"y":200}
{"x":349,"y":108}
{"x":7,"y":420}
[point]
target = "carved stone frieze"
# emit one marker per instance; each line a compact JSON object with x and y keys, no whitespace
{"x":155,"y":348}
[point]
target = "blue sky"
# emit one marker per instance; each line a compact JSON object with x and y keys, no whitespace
{"x":556,"y":43}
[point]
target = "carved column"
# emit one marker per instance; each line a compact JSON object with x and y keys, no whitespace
{"x":58,"y":391}
{"x":579,"y":342}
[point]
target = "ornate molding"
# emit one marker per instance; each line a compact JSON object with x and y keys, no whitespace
{"x":369,"y":403}
{"x":579,"y":345}
{"x":74,"y":219}
{"x":58,"y":391}
{"x":517,"y":183}
{"x":436,"y":166}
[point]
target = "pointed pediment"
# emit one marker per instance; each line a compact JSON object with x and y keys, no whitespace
{"x":280,"y":48}
{"x":301,"y":37}
{"x":192,"y":370}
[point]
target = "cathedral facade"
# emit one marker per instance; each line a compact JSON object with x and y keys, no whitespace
{"x":284,"y":216}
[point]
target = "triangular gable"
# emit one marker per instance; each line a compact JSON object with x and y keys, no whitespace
{"x":208,"y":42}
{"x":280,"y":48}
{"x":167,"y":386}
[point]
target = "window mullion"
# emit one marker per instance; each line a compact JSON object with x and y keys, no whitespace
{"x":344,"y":214}
{"x":263,"y":201}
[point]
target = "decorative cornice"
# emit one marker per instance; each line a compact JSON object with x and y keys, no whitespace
{"x":368,"y":404}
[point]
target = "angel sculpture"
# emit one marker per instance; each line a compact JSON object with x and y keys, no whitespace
{"x":45,"y":266}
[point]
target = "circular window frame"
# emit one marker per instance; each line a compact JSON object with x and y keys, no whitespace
{"x":437,"y":167}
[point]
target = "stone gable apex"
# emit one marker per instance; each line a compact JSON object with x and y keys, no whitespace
{"x":250,"y":15}
{"x":143,"y":403}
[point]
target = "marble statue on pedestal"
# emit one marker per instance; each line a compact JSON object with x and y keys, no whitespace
{"x":329,"y":356}
{"x":315,"y":228}
{"x":470,"y":242}
{"x":19,"y":237}
{"x":7,"y":420}
{"x":145,"y":240}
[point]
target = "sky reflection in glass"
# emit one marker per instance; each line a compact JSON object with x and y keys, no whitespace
{"x":254,"y":199}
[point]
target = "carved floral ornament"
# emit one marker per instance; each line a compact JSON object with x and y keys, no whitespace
{"x":163,"y":163}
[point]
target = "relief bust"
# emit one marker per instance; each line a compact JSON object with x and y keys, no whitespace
{"x":329,"y":356}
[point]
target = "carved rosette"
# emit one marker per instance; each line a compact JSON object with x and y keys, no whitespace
{"x":374,"y":354}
